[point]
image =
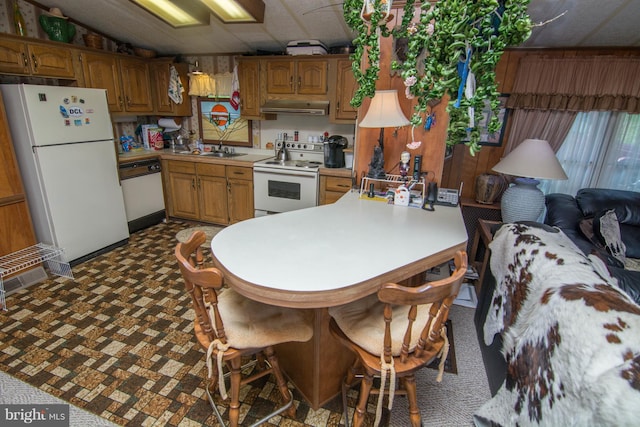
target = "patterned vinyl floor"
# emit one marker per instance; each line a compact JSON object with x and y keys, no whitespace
{"x":117,"y":340}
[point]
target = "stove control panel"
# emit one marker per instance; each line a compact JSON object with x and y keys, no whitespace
{"x":300,"y":146}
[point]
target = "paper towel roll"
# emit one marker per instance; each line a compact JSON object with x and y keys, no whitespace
{"x":169,"y":124}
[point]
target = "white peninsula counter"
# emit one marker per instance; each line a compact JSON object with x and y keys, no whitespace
{"x":333,"y":254}
{"x":329,"y":255}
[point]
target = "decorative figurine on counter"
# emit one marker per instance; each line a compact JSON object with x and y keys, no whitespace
{"x":405,"y":158}
{"x":376,"y":167}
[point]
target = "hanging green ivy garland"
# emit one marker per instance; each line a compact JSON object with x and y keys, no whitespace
{"x":452,"y":32}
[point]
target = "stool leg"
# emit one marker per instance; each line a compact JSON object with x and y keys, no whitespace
{"x":361,"y":409}
{"x":234,"y":403}
{"x":282,"y":383}
{"x":414,"y":411}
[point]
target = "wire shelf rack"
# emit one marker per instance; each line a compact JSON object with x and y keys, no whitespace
{"x":51,"y":256}
{"x":392,"y":181}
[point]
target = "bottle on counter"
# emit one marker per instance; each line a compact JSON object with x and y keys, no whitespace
{"x":18,"y":20}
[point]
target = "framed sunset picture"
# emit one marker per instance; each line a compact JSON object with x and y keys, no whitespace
{"x":220,"y":122}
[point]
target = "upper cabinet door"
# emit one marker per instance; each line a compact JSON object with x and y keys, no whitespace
{"x":311,"y":78}
{"x":13,"y":57}
{"x":281,"y":77}
{"x":249,"y":78}
{"x":346,"y":88}
{"x":160,"y":75}
{"x":101,"y":71}
{"x":51,"y":61}
{"x":160,"y":71}
{"x":136,"y":85}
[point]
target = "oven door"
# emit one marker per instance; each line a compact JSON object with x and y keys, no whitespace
{"x":283,"y":190}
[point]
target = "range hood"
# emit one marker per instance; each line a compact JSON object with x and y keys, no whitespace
{"x":313,"y":108}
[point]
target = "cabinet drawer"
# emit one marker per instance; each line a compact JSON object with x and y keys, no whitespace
{"x":239,"y":172}
{"x":334,"y":183}
{"x":210,"y":169}
{"x":181,"y":167}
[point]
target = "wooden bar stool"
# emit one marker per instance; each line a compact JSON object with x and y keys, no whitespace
{"x":395,"y":333}
{"x":250,"y":328}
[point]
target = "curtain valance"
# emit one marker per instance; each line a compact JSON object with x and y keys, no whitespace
{"x":594,"y":83}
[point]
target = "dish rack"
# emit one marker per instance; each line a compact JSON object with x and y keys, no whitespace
{"x":39,"y":253}
{"x":392,"y":181}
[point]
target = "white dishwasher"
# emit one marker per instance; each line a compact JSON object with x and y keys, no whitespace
{"x":142,"y":190}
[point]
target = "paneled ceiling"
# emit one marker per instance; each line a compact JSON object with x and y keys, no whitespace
{"x":578,"y":23}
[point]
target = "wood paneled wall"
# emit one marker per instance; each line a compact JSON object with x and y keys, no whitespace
{"x":432,"y":147}
{"x":461,"y":167}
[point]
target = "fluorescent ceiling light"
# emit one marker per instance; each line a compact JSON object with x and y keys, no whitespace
{"x":237,"y":11}
{"x":177,"y":13}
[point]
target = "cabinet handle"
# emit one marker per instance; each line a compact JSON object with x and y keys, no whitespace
{"x":128,"y":101}
{"x":193,"y":183}
{"x":35,"y":62}
{"x":291,"y":81}
{"x":299,"y":82}
{"x":25,"y":60}
{"x":199,"y":181}
{"x":120,"y":102}
{"x":338,"y":106}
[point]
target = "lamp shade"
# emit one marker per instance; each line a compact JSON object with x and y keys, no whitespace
{"x":533,"y":158}
{"x":384,"y":111}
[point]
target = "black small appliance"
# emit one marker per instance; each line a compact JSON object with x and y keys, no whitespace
{"x":333,"y":151}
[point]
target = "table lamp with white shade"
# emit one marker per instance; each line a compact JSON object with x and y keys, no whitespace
{"x":532,"y":159}
{"x":384,"y":112}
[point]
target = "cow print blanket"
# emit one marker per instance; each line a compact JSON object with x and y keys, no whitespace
{"x":571,"y":337}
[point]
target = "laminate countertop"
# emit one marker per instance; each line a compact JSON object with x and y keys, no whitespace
{"x":333,"y":254}
{"x":243,"y":160}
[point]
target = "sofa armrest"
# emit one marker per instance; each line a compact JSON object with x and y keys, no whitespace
{"x":563,"y":212}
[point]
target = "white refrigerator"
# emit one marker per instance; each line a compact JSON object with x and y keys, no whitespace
{"x":63,"y":140}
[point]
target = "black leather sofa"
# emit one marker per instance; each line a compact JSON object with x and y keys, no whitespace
{"x":566,"y":213}
{"x":569,"y":213}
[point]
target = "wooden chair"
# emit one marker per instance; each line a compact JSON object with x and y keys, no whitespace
{"x":250,"y":329}
{"x":397,"y":331}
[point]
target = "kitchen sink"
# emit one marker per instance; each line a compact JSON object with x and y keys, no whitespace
{"x":220,"y":154}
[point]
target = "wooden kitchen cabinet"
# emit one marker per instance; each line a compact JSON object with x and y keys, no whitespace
{"x":136,"y":85}
{"x":297,"y":76}
{"x":36,"y":59}
{"x":333,"y":187}
{"x":15,"y":218}
{"x":126,"y":80}
{"x":240,"y":201}
{"x":101,"y":71}
{"x":212,"y":193}
{"x":180,"y":184}
{"x":249,"y":80}
{"x":209,"y":192}
{"x":345,"y":89}
{"x":160,"y":72}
